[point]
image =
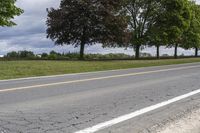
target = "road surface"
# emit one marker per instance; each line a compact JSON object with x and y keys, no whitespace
{"x":130,"y":100}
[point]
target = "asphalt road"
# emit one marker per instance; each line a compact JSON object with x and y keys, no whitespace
{"x":71,"y":103}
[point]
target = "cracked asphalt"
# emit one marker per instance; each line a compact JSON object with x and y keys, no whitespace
{"x":66,"y":108}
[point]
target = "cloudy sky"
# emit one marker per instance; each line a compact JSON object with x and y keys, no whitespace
{"x":30,"y":34}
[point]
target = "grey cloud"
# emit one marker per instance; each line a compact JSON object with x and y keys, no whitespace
{"x":25,"y":29}
{"x":30,"y":34}
{"x":30,"y":30}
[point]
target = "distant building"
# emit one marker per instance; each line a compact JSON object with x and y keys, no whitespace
{"x":1,"y":56}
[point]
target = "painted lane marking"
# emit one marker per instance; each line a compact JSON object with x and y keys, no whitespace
{"x":132,"y":115}
{"x":92,"y":79}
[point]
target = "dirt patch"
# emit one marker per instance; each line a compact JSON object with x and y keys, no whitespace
{"x":188,"y":124}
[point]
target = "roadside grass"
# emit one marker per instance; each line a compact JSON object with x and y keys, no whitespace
{"x":22,"y":69}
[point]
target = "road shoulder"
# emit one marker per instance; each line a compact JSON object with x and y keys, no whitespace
{"x":189,"y":123}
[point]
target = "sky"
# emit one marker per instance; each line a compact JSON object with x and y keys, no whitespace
{"x":30,"y":33}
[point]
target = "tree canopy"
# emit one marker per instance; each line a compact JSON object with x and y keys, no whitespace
{"x":142,"y":14}
{"x":191,"y":37}
{"x":157,"y":22}
{"x":172,"y":20}
{"x":85,"y":22}
{"x":132,"y":24}
{"x":7,"y":12}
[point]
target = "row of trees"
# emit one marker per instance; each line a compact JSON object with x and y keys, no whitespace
{"x":126,"y":23}
{"x":20,"y":54}
{"x":65,"y":56}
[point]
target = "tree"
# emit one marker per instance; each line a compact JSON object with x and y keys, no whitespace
{"x":20,"y":54}
{"x":44,"y":55}
{"x":12,"y":54}
{"x":54,"y":53}
{"x":157,"y":37}
{"x":85,"y":22}
{"x":26,"y":54}
{"x":191,"y":38}
{"x":156,"y":34}
{"x":176,"y":20}
{"x":142,"y":14}
{"x":7,"y":12}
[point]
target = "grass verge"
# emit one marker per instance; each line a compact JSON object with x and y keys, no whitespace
{"x":22,"y":69}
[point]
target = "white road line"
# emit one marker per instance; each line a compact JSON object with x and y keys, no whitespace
{"x":92,"y":79}
{"x":72,"y":74}
{"x":132,"y":115}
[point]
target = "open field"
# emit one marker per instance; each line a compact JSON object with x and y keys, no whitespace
{"x":21,"y":69}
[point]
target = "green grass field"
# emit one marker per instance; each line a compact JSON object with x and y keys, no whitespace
{"x":21,"y":69}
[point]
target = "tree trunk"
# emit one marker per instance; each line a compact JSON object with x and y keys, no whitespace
{"x":83,"y":42}
{"x":176,"y":51}
{"x":137,"y":52}
{"x":82,"y":47}
{"x":158,"y":52}
{"x":196,"y":52}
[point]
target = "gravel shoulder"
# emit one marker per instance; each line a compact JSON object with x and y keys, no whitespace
{"x":190,"y":123}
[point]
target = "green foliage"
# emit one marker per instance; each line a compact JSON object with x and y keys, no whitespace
{"x":21,"y":54}
{"x":108,"y":56}
{"x":65,"y":56}
{"x":44,"y":55}
{"x":175,"y":19}
{"x":7,"y":12}
{"x":85,"y":22}
{"x":12,"y":54}
{"x":125,"y":23}
{"x":142,"y":14}
{"x":192,"y":36}
{"x":26,"y":54}
{"x":158,"y":22}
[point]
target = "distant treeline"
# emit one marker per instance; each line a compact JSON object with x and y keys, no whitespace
{"x":14,"y":55}
{"x":63,"y":56}
{"x":53,"y":55}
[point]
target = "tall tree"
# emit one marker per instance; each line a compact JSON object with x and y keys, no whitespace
{"x":85,"y":22}
{"x":7,"y":12}
{"x":176,"y":20}
{"x":157,"y":37}
{"x":142,"y":14}
{"x":191,"y":38}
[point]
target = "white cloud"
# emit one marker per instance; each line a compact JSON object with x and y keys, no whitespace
{"x":198,"y":1}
